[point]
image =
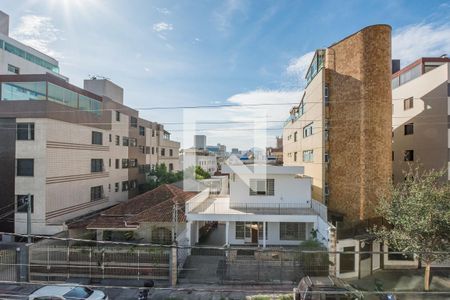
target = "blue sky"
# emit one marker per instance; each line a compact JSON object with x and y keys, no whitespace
{"x":178,"y":53}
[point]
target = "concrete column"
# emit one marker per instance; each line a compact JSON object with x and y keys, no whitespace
{"x":264,"y":234}
{"x":227,"y":229}
{"x":332,"y":247}
{"x":173,"y":274}
{"x":197,"y":232}
{"x":188,"y":230}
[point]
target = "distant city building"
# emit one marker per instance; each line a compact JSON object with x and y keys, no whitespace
{"x":420,"y":104}
{"x":235,"y":151}
{"x":200,"y":142}
{"x":276,"y":153}
{"x":194,"y":157}
{"x":341,"y":130}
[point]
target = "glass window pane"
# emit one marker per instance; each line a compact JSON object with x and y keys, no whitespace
{"x":24,"y":91}
{"x":84,"y":103}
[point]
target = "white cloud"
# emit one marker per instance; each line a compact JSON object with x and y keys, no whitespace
{"x":412,"y":42}
{"x":37,"y":32}
{"x":162,"y":26}
{"x":244,"y":126}
{"x":299,"y":66}
{"x":224,"y":15}
{"x":163,"y":10}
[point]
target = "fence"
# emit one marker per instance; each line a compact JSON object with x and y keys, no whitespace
{"x":8,"y":269}
{"x":59,"y":263}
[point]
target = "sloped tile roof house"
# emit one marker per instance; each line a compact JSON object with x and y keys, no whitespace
{"x":149,"y":215}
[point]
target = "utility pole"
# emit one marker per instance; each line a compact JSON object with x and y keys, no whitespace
{"x":29,"y":217}
{"x":174,"y":221}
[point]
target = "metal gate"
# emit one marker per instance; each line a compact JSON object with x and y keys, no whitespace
{"x":8,"y":267}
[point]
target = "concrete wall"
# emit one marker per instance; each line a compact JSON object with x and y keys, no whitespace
{"x":430,"y":140}
{"x":288,"y":190}
{"x":314,"y":113}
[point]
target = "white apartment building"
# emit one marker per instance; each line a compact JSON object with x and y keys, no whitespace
{"x":267,"y":205}
{"x":194,"y":157}
{"x":420,"y":116}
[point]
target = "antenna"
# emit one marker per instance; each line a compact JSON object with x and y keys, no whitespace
{"x":99,"y":77}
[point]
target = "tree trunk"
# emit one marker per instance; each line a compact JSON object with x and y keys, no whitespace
{"x":427,"y":276}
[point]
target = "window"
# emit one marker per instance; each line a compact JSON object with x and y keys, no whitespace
{"x":141,"y":149}
{"x":13,"y":69}
{"x":163,"y":152}
{"x":116,"y":187}
{"x":409,"y":155}
{"x":409,"y":128}
{"x":25,"y":167}
{"x":22,"y":203}
{"x":170,"y":167}
{"x":347,"y":260}
{"x":97,"y":138}
{"x":262,"y":187}
{"x":308,"y":155}
{"x":399,"y":256}
{"x":96,"y":193}
{"x":125,"y":186}
{"x":133,"y":122}
{"x":142,"y":130}
{"x":393,"y":156}
{"x":63,"y":96}
{"x":153,"y":150}
{"x":124,"y":163}
{"x":118,"y":116}
{"x":125,"y":141}
{"x":133,"y":184}
{"x":110,"y":138}
{"x":96,"y":165}
{"x":133,"y":163}
{"x":325,"y":93}
{"x":147,"y":150}
{"x":295,"y":156}
{"x":117,"y":140}
{"x":132,"y":142}
{"x":408,"y":103}
{"x":153,"y":132}
{"x":170,"y":152}
{"x":24,"y":91}
{"x":240,"y":230}
{"x":307,"y":130}
{"x":117,"y":163}
{"x":295,"y":136}
{"x":292,"y":231}
{"x":25,"y":131}
{"x":110,"y":162}
{"x":78,"y":293}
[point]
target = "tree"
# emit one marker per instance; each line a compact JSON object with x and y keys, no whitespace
{"x":201,"y":174}
{"x":418,"y":213}
{"x":160,"y":175}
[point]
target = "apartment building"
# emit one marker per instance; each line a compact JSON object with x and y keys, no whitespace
{"x":340,"y":131}
{"x":71,"y":150}
{"x":194,"y":157}
{"x":420,"y":116}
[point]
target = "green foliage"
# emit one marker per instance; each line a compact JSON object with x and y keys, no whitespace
{"x":198,"y":172}
{"x":159,"y":176}
{"x":418,"y":211}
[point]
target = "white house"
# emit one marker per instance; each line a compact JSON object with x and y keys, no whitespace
{"x":267,"y":205}
{"x":194,"y":157}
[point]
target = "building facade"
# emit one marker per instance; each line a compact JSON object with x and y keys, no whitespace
{"x":195,"y":157}
{"x":340,"y":131}
{"x":70,"y":150}
{"x":421,"y":110}
{"x":267,"y":205}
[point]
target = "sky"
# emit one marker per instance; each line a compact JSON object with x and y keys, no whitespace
{"x":208,"y":53}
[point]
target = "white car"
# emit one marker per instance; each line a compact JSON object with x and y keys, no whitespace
{"x":67,"y":292}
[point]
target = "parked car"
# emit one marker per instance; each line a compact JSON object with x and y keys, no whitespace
{"x":325,"y":288}
{"x":67,"y":292}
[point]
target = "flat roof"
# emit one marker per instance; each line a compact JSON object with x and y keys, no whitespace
{"x":263,"y":169}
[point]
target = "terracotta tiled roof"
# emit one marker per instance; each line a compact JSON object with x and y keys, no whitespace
{"x":153,"y":206}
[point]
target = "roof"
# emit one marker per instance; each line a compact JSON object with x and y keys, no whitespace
{"x":153,"y":206}
{"x":263,"y":169}
{"x":420,"y":61}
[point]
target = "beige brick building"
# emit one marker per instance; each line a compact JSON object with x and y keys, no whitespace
{"x":341,"y":129}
